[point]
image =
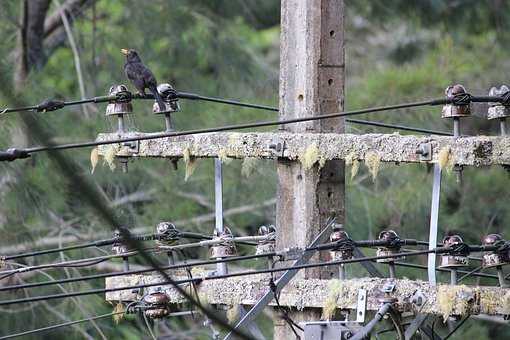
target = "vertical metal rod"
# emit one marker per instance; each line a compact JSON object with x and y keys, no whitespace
{"x":453,"y":276}
{"x":501,"y":276}
{"x":502,"y":126}
{"x":125,"y":261}
{"x":171,"y":260}
{"x":434,"y":216}
{"x":341,"y":272}
{"x":168,"y":123}
{"x":456,"y":127}
{"x":391,"y":266}
{"x":120,"y":124}
{"x":221,"y":268}
{"x":456,"y":133}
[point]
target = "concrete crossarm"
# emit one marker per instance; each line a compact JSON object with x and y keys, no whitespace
{"x":319,"y":147}
{"x":442,"y":299}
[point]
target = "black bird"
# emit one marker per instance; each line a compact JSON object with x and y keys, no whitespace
{"x":141,"y":77}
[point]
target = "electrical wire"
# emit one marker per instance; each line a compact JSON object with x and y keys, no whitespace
{"x":223,"y":276}
{"x":65,"y":324}
{"x":101,"y":243}
{"x":12,"y":154}
{"x":77,"y":263}
{"x":70,"y":323}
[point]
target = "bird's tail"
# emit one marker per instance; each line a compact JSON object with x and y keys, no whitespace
{"x":157,"y":96}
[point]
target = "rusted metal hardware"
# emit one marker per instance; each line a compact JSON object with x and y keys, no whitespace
{"x":226,"y":248}
{"x":119,"y":108}
{"x":498,"y":257}
{"x":453,"y":261}
{"x":170,"y":99}
{"x":456,"y":111}
{"x":119,"y":248}
{"x":166,"y":233}
{"x":424,"y":151}
{"x":392,"y":248}
{"x":157,"y":304}
{"x":343,"y":252}
{"x":499,"y":110}
{"x":266,"y":245}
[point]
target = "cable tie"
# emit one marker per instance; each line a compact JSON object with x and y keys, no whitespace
{"x":505,"y":98}
{"x":461,"y":99}
{"x":123,"y":97}
{"x":50,"y":105}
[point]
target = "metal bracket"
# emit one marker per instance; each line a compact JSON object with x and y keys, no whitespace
{"x":290,"y":254}
{"x":132,"y":146}
{"x":388,"y":287}
{"x":276,"y":147}
{"x":361,"y":305}
{"x":425,"y":152}
{"x":319,"y":330}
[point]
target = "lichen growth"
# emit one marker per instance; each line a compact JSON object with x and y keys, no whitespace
{"x":335,"y":290}
{"x":248,"y":166}
{"x":373,"y":162}
{"x":109,"y":155}
{"x":352,"y":161}
{"x":448,"y":302}
{"x":233,"y":314}
{"x":445,"y":159}
{"x":222,"y":156}
{"x":309,"y":157}
{"x":119,"y":308}
{"x":190,"y":163}
{"x":94,"y":159}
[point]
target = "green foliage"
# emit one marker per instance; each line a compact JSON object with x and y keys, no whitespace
{"x":230,"y":49}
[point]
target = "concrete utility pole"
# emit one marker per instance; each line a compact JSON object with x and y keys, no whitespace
{"x":311,"y":83}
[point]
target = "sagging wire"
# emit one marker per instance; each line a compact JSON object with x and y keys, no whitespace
{"x":13,"y":153}
{"x":223,"y":276}
{"x":74,"y":263}
{"x":325,"y":246}
{"x":102,"y":243}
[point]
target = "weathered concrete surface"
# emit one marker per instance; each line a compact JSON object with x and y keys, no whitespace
{"x":442,"y":299}
{"x":474,"y":151}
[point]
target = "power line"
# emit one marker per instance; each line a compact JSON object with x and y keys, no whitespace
{"x":65,"y":324}
{"x":101,"y":243}
{"x":70,"y":323}
{"x":216,"y":277}
{"x":12,"y":154}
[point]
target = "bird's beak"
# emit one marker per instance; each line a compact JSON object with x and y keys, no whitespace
{"x":124,"y":51}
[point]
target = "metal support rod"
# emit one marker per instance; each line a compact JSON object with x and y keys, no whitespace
{"x":367,"y":329}
{"x":434,"y":216}
{"x":221,"y":268}
{"x":125,"y":261}
{"x":391,"y":266}
{"x":169,"y":127}
{"x":120,"y":124}
{"x":453,"y":276}
{"x":456,"y":127}
{"x":502,"y":126}
{"x":341,"y":272}
{"x":171,"y":259}
{"x":501,"y":277}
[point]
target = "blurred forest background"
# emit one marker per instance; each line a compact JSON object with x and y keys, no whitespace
{"x":396,"y":51}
